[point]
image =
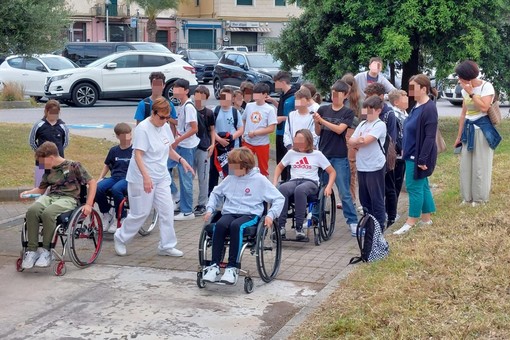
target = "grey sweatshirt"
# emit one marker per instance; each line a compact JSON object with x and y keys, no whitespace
{"x":361,"y":80}
{"x":246,"y":195}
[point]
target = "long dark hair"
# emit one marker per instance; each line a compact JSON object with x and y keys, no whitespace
{"x":353,"y":96}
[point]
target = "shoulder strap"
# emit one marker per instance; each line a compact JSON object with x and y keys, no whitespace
{"x":234,"y":115}
{"x":147,"y":110}
{"x":216,"y":113}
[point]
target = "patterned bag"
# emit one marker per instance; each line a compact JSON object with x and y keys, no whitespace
{"x":494,"y":113}
{"x":440,"y":143}
{"x":371,"y":241}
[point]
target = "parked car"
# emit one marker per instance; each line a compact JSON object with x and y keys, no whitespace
{"x":120,"y":75}
{"x":235,"y":48}
{"x":203,"y":61}
{"x":32,"y":71}
{"x":83,"y":53}
{"x":451,"y":91}
{"x":235,"y":67}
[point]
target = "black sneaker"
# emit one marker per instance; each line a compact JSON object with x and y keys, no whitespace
{"x":199,"y":210}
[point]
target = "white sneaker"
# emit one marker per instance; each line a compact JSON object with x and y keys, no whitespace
{"x":360,"y":210}
{"x":29,"y":259}
{"x":113,"y":227}
{"x":300,"y":235}
{"x":170,"y":252}
{"x":230,"y":276}
{"x":120,"y":247}
{"x":353,"y":227}
{"x":405,"y":228}
{"x":425,"y":224}
{"x":107,"y":219}
{"x":212,"y":273}
{"x":184,"y":216}
{"x":44,"y":259}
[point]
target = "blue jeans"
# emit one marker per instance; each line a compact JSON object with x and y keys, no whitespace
{"x":118,"y":187}
{"x":186,"y":179}
{"x":343,"y":183}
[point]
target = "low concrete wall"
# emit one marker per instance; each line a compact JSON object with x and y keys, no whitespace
{"x":15,"y":105}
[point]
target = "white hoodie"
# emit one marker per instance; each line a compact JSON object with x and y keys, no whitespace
{"x":245,"y":195}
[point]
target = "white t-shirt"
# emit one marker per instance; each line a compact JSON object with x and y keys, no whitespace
{"x":185,"y":115}
{"x":256,"y":117}
{"x":370,"y":157}
{"x":297,"y":122}
{"x":486,"y":89}
{"x":305,"y":165}
{"x":155,"y":142}
{"x":313,"y":107}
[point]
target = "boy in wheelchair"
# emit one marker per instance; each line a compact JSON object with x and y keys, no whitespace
{"x":304,"y":172}
{"x":63,"y":180}
{"x":116,"y":162}
{"x":243,"y":194}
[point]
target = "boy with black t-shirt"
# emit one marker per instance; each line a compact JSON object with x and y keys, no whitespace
{"x":331,"y":123}
{"x":205,"y":148}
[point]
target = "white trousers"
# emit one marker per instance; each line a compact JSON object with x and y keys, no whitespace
{"x":140,"y":206}
{"x":476,"y":170}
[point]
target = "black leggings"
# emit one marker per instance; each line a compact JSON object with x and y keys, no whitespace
{"x":233,"y":225}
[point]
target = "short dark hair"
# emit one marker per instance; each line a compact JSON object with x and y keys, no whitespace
{"x":226,"y":90}
{"x":204,"y":90}
{"x":157,"y":75}
{"x":303,"y":93}
{"x":467,"y":70}
{"x":373,"y":102}
{"x":122,"y":128}
{"x":375,"y":89}
{"x":246,"y":85}
{"x":261,"y":88}
{"x":283,"y":76}
{"x":340,"y":86}
{"x":46,"y":149}
{"x":378,"y":59}
{"x":183,"y":83}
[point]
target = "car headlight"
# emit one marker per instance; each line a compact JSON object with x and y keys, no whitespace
{"x":61,"y":77}
{"x":197,"y":65}
{"x":263,"y":76}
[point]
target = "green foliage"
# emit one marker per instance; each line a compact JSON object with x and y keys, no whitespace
{"x":333,"y":37}
{"x":32,"y":26}
{"x":152,"y":8}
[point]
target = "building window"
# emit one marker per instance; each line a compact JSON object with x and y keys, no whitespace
{"x":280,"y":2}
{"x":244,"y":2}
{"x":197,"y":3}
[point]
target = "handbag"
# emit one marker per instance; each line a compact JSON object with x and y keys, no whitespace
{"x":494,"y":113}
{"x":440,"y":143}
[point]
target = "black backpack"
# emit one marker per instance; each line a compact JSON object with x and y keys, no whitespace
{"x":372,"y":244}
{"x":388,"y":149}
{"x":234,"y":116}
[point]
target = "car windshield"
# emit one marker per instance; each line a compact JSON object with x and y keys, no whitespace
{"x":203,"y":55}
{"x":263,"y":60}
{"x":58,"y":63}
{"x":151,"y":48}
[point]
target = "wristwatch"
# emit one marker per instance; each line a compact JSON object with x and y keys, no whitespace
{"x":471,"y":95}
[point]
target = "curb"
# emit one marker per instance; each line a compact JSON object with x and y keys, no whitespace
{"x":290,"y":327}
{"x":11,"y":194}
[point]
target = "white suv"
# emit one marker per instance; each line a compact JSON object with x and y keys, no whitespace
{"x":120,"y":75}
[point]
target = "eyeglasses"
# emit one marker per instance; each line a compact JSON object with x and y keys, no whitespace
{"x":167,"y":118}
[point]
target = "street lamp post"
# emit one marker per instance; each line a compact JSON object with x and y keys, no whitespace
{"x":107,"y":3}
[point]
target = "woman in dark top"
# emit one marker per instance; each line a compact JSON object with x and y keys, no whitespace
{"x":420,"y":153}
{"x":49,"y":129}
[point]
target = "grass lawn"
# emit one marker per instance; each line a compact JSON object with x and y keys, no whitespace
{"x":17,"y":157}
{"x":448,"y":281}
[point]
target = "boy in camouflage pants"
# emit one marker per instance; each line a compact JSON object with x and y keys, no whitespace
{"x":64,"y":179}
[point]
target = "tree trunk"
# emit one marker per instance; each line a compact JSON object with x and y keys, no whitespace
{"x":152,"y":28}
{"x":411,"y":67}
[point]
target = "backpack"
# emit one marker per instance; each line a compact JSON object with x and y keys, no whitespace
{"x":371,"y":242}
{"x":202,"y":128}
{"x":147,"y":112}
{"x":234,"y":116}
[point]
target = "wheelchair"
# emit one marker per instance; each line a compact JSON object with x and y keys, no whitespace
{"x":124,"y":206}
{"x":81,"y":236}
{"x":264,"y":243}
{"x":320,"y":216}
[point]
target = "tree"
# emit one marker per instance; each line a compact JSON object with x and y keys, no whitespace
{"x":333,"y":37}
{"x":32,"y":26}
{"x":152,"y":9}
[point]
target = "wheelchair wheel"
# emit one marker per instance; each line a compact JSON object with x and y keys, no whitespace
{"x":248,"y":285}
{"x":269,"y":251}
{"x":19,"y":261}
{"x":204,"y":249}
{"x":84,"y":237}
{"x":327,"y":214}
{"x":59,"y":268}
{"x":146,"y":229}
{"x":200,"y":282}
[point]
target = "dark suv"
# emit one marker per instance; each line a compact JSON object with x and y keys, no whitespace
{"x":203,"y":61}
{"x":235,"y":67}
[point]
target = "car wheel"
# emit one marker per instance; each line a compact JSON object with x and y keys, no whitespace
{"x":456,"y":103}
{"x":168,"y":93}
{"x":206,"y":81}
{"x":84,"y":95}
{"x":217,"y":88}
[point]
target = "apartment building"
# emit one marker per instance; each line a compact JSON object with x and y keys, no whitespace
{"x":125,"y":22}
{"x":215,"y":23}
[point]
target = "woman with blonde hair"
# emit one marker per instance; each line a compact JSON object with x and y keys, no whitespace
{"x":49,"y":129}
{"x":149,"y":180}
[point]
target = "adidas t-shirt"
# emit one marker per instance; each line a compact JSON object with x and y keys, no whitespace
{"x":305,"y":165}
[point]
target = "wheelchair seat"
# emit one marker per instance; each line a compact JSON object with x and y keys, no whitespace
{"x":249,"y":232}
{"x":63,"y":219}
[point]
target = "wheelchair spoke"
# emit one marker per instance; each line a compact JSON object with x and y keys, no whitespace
{"x":85,"y":244}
